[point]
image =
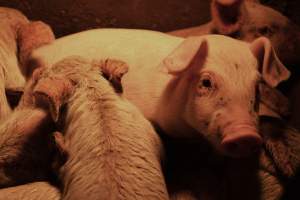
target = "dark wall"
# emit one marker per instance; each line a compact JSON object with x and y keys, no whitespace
{"x":68,"y":16}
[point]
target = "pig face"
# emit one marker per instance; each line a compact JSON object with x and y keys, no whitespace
{"x":247,"y":21}
{"x":221,"y":88}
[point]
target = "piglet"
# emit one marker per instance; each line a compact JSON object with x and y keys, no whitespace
{"x":112,"y":150}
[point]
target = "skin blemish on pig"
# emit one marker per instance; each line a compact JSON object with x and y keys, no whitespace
{"x":206,"y":123}
{"x":236,"y":66}
{"x":222,"y":102}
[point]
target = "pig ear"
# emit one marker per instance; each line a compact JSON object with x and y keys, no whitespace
{"x":113,"y":70}
{"x":227,"y":15}
{"x":191,"y":52}
{"x":272,"y":70}
{"x":274,"y":100}
{"x":52,"y":93}
{"x":31,"y":36}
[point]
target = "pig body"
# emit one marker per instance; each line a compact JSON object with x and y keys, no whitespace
{"x":10,"y":21}
{"x":163,"y":67}
{"x":30,"y":191}
{"x":113,"y":151}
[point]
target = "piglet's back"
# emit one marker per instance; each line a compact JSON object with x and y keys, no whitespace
{"x":114,"y":152}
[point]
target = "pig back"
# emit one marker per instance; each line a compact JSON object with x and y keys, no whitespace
{"x":138,"y":48}
{"x":114,"y":152}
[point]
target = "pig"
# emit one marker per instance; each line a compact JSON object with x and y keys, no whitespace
{"x":26,"y":143}
{"x":247,"y":20}
{"x":112,"y":151}
{"x":10,"y":21}
{"x":204,"y":87}
{"x":12,"y":37}
{"x":31,"y":191}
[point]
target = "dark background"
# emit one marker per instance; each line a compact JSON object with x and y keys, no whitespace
{"x":69,"y":16}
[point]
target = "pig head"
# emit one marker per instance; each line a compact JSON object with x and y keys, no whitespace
{"x":215,"y":90}
{"x":248,"y":20}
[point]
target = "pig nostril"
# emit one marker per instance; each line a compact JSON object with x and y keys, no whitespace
{"x":240,"y":147}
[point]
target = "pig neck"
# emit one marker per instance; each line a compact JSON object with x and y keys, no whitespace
{"x":161,"y":99}
{"x":170,"y":110}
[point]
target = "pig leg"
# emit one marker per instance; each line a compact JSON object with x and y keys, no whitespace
{"x":30,"y":191}
{"x":5,"y":109}
{"x":24,"y":154}
{"x":62,"y":153}
{"x":30,"y":37}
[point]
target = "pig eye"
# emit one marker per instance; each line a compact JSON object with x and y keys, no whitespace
{"x":265,"y":30}
{"x":206,"y":84}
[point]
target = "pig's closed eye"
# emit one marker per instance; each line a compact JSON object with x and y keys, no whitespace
{"x":206,"y":85}
{"x":265,"y":30}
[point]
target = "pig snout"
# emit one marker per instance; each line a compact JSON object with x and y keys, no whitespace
{"x":240,"y":140}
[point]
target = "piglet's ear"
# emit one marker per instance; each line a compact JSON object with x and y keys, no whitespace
{"x":113,"y":70}
{"x":190,"y":53}
{"x":52,"y":93}
{"x":227,"y":15}
{"x":272,"y":70}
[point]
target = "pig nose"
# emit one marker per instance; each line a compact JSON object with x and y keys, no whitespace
{"x":242,"y":144}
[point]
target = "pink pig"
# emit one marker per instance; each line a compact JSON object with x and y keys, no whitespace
{"x":197,"y":87}
{"x":247,"y":20}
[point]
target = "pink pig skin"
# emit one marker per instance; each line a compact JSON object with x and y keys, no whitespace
{"x":183,"y":85}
